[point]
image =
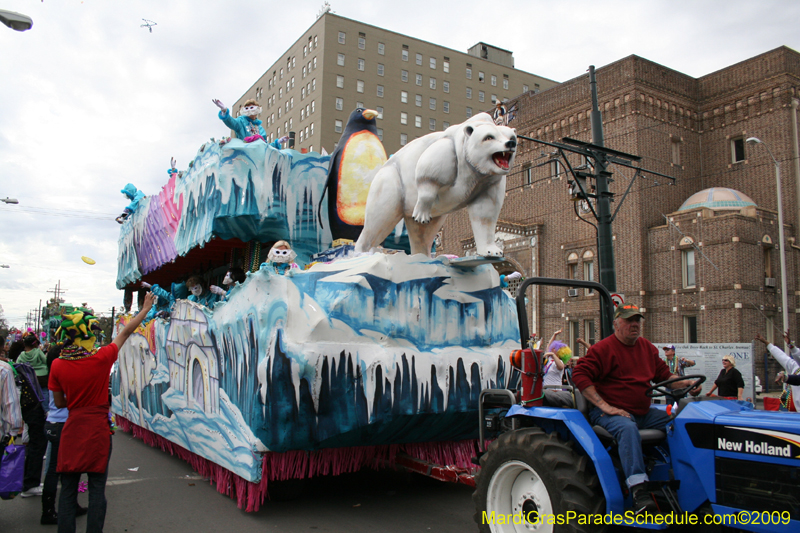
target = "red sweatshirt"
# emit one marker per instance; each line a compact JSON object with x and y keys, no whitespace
{"x":621,"y":374}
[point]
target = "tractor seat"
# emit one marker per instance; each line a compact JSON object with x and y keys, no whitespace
{"x":650,"y":437}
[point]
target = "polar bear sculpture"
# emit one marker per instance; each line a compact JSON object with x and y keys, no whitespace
{"x":463,"y":166}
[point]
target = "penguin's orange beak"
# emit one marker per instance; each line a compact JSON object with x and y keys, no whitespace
{"x":369,"y":114}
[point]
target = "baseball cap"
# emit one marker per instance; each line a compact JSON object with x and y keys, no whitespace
{"x":627,"y":311}
{"x":669,"y":347}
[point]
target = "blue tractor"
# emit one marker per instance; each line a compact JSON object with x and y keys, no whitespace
{"x":720,"y":463}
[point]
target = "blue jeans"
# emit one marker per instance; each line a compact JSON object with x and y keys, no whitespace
{"x":53,"y":432}
{"x":68,"y":501}
{"x":629,"y":443}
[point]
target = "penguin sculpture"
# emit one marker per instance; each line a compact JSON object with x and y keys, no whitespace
{"x":357,"y":157}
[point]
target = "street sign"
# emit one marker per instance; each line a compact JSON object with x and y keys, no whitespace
{"x":618,"y":299}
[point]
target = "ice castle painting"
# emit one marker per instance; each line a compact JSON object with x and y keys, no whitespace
{"x":319,"y":371}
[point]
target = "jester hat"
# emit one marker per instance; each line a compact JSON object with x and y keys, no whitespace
{"x":561,"y":350}
{"x":78,"y":326}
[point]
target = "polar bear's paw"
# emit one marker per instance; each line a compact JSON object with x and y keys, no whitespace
{"x":491,"y":251}
{"x":421,"y":215}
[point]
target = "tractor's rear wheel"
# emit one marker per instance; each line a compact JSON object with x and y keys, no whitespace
{"x":528,"y":476}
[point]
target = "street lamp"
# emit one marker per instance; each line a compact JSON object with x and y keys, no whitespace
{"x":784,"y":298}
{"x":9,"y":200}
{"x":15,"y":21}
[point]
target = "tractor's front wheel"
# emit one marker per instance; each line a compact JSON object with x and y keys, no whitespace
{"x":533,"y":482}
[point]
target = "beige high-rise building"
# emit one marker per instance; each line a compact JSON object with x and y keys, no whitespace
{"x":417,"y":87}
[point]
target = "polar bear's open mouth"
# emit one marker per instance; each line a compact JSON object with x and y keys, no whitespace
{"x":501,"y":159}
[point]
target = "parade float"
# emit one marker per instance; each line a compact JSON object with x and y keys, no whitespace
{"x":355,"y":361}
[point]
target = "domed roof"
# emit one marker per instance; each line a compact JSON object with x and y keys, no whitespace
{"x":718,"y":199}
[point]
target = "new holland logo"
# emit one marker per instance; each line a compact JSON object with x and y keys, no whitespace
{"x":759,"y":442}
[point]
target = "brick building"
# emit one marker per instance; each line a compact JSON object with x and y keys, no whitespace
{"x":417,"y":87}
{"x":705,"y":269}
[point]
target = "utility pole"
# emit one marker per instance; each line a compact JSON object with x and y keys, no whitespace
{"x":57,"y":291}
{"x":605,"y":238}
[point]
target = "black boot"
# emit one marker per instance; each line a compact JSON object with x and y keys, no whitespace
{"x":643,"y":501}
{"x":49,"y":515}
{"x":80,"y":511}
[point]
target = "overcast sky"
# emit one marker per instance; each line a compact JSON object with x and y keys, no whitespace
{"x":90,"y":100}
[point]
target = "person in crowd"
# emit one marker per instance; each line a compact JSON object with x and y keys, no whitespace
{"x":556,"y":359}
{"x":11,"y":421}
{"x":675,"y":365}
{"x":790,"y":399}
{"x":56,"y":417}
{"x":199,"y":293}
{"x":35,"y":357}
{"x":79,"y":382}
{"x":233,"y":277}
{"x":16,"y":348}
{"x":729,"y":382}
{"x":34,"y":416}
{"x":583,"y":343}
{"x":614,"y":377}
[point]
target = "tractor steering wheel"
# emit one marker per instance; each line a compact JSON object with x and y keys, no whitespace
{"x":660,"y":389}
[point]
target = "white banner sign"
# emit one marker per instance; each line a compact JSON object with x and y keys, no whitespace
{"x":708,"y":362}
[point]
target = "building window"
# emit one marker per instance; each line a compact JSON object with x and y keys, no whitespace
{"x":737,"y":150}
{"x":381,"y":48}
{"x":337,"y":125}
{"x":315,"y":41}
{"x":404,"y":75}
{"x":588,"y":270}
{"x":380,"y":69}
{"x":419,"y":59}
{"x":340,"y":60}
{"x":418,"y":121}
{"x":469,"y":92}
{"x":529,"y":181}
{"x":362,"y":43}
{"x":281,"y":74}
{"x":481,"y":96}
{"x":305,"y":51}
{"x":481,"y":77}
{"x":380,"y":134}
{"x":418,"y":100}
{"x":404,"y":54}
{"x":312,"y":106}
{"x":445,"y":125}
{"x":433,"y":83}
{"x":340,"y":82}
{"x":292,"y":81}
{"x":302,"y":114}
{"x":361,"y":64}
{"x":419,"y":80}
{"x":494,"y":99}
{"x":341,"y":37}
{"x":675,"y":152}
{"x":304,"y":72}
{"x":404,"y":97}
{"x":690,"y":329}
{"x":446,"y":107}
{"x":433,"y":63}
{"x":432,"y":124}
{"x":469,"y":112}
{"x":360,"y":86}
{"x":432,"y":103}
{"x":769,"y":329}
{"x":314,"y":84}
{"x":589,"y":331}
{"x":280,"y":92}
{"x":494,"y":80}
{"x":505,"y":82}
{"x":360,"y":105}
{"x":767,"y":261}
{"x":379,"y":109}
{"x":688,"y":269}
{"x":574,"y":334}
{"x":301,"y":135}
{"x":314,"y":62}
{"x":311,"y":130}
{"x":446,"y":66}
{"x":403,"y":139}
{"x":525,"y":88}
{"x":403,"y":118}
{"x":446,"y":86}
{"x":469,"y":73}
{"x":380,"y":91}
{"x":555,"y":169}
{"x":302,"y":94}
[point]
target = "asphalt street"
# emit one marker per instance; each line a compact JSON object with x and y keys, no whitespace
{"x":164,"y":494}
